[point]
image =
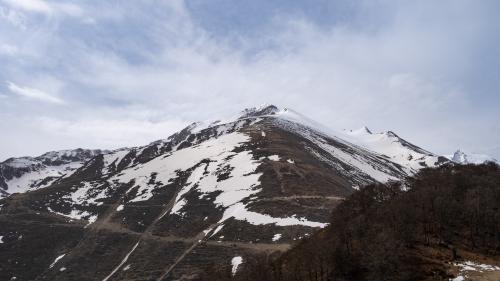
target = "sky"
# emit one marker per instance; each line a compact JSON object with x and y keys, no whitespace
{"x":108,"y":73}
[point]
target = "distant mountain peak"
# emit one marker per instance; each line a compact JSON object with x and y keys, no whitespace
{"x":461,"y":157}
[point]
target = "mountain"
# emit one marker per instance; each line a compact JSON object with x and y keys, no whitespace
{"x":461,"y":157}
{"x":213,"y":193}
{"x":22,"y":174}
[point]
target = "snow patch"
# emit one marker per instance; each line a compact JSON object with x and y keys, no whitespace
{"x":274,"y":158}
{"x":276,"y":237}
{"x":56,"y":260}
{"x":235,"y":263}
{"x":239,"y":212}
{"x":217,"y":229}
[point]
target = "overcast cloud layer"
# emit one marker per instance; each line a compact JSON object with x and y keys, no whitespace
{"x":107,"y":74}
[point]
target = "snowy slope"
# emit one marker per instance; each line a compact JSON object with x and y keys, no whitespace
{"x":22,"y":174}
{"x":385,"y":144}
{"x":395,"y":148}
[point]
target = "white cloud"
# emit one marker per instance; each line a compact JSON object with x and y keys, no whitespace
{"x":46,"y":7}
{"x":32,"y":93}
{"x":31,"y":5}
{"x":111,"y":133}
{"x":8,"y":50}
{"x":15,"y":18}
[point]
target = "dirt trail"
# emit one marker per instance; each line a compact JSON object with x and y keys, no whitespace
{"x":295,"y":197}
{"x":259,"y":247}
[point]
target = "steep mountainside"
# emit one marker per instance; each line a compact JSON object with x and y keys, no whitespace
{"x":211,"y":193}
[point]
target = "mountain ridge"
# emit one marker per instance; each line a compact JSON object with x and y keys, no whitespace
{"x":212,"y":192}
{"x":262,"y":111}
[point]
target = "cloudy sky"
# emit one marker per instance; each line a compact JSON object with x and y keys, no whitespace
{"x":107,"y":74}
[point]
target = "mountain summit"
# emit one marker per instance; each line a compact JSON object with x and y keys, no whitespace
{"x":214,"y":192}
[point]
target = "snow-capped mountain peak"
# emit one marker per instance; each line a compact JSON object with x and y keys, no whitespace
{"x":461,"y":157}
{"x":263,"y":110}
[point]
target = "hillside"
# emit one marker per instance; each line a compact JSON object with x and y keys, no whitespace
{"x":445,"y":227}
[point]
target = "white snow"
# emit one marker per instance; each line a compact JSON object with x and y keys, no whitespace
{"x":390,"y":145}
{"x":77,"y":215}
{"x":274,"y":158}
{"x":119,"y":208}
{"x":1,"y":239}
{"x":354,"y":160}
{"x":114,"y":157}
{"x":235,"y":262}
{"x":384,"y":144}
{"x":217,"y":229}
{"x":30,"y":180}
{"x":215,"y":149}
{"x":87,"y":194}
{"x":472,"y":266}
{"x":62,"y":269}
{"x":127,"y":267}
{"x":239,"y":212}
{"x":290,"y":161}
{"x":207,"y":231}
{"x":56,"y":260}
{"x":276,"y":237}
{"x":263,"y":134}
{"x":91,"y":219}
{"x":468,"y":266}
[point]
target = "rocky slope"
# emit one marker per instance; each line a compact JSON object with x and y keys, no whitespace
{"x":213,"y":193}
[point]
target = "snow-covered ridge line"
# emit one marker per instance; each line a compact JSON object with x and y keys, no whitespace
{"x":18,"y":175}
{"x":387,"y":143}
